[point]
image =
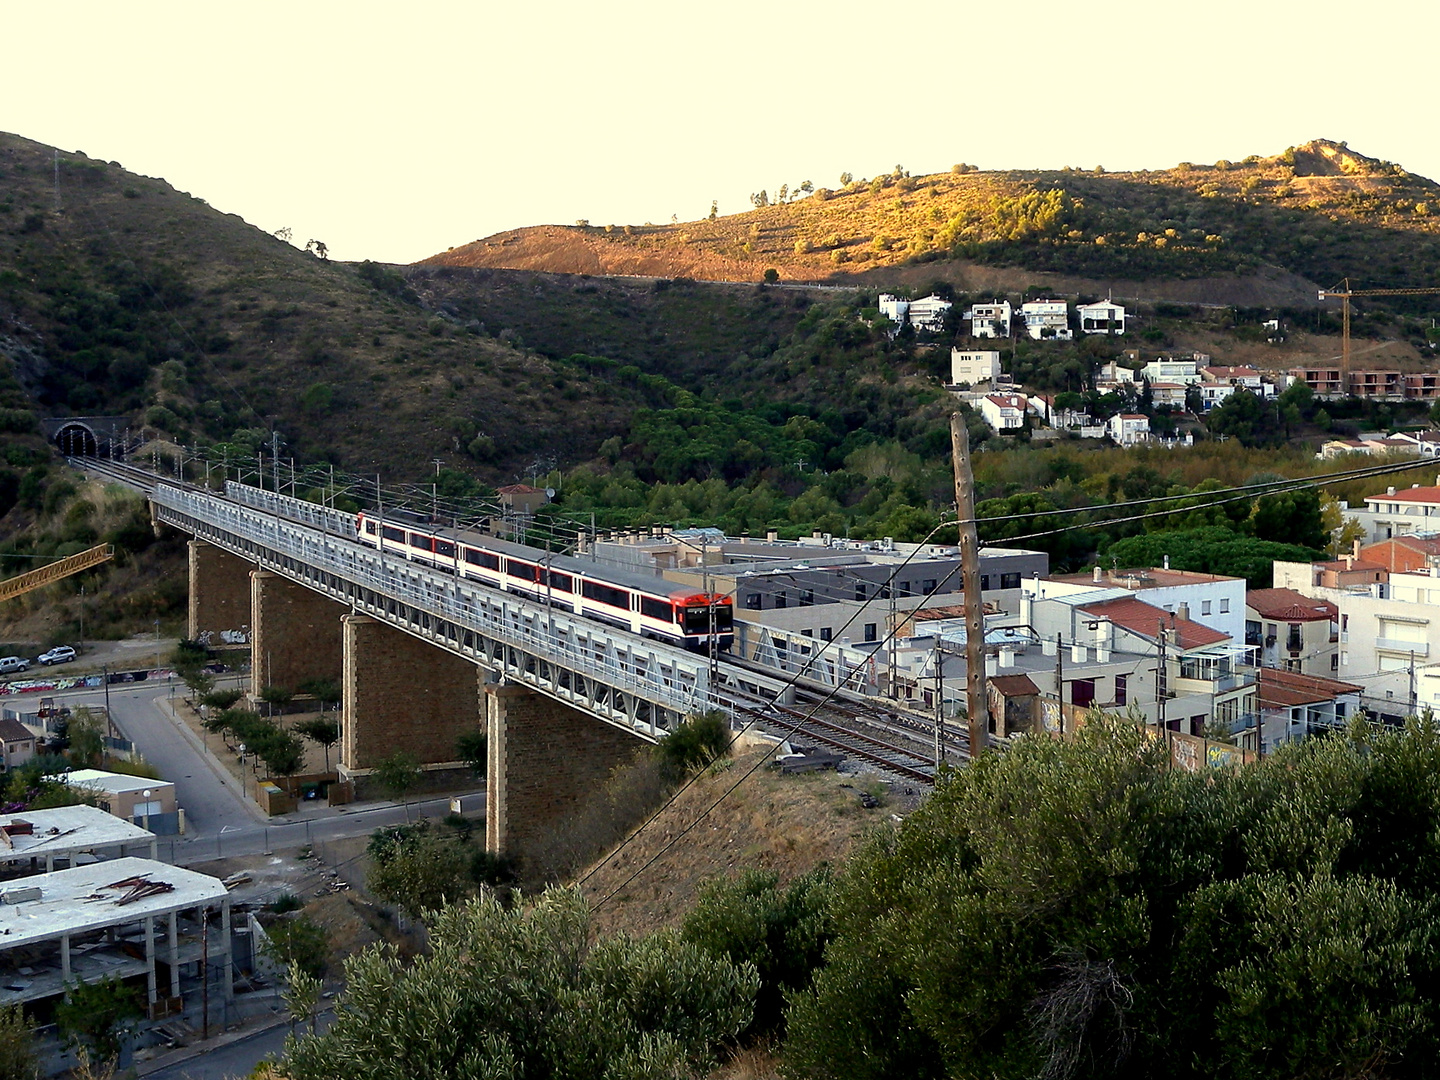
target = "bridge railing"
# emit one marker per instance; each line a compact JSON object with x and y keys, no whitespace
{"x":652,"y":671}
{"x":324,"y":518}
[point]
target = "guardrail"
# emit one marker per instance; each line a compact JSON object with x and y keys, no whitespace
{"x":324,"y":518}
{"x":672,"y":679}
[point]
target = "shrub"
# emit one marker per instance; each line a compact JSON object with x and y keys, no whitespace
{"x":297,"y":939}
{"x":693,"y":745}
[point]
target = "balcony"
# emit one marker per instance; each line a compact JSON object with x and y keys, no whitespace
{"x":1395,"y":645}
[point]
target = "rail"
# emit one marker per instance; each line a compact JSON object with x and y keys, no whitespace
{"x":326,"y":519}
{"x":539,"y":646}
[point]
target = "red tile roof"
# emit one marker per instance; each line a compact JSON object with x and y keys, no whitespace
{"x":1287,"y":605}
{"x":1411,"y":495}
{"x":1282,"y":689}
{"x":1144,"y":619}
{"x":1014,"y":685}
{"x":517,"y":489}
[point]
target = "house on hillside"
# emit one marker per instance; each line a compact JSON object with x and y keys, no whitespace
{"x":1047,"y":320}
{"x":1248,"y":377}
{"x":1113,"y":376}
{"x":1296,"y":632}
{"x":17,"y":742}
{"x":1168,"y":394}
{"x":1403,"y":554}
{"x":1295,"y":706}
{"x":1129,"y":429}
{"x":1169,"y":370}
{"x":1402,"y":512}
{"x":928,"y":313}
{"x":1101,"y":318}
{"x":1004,"y":412}
{"x":990,"y":320}
{"x":973,"y":367}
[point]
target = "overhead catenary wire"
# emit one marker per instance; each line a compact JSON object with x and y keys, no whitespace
{"x":891,"y":633}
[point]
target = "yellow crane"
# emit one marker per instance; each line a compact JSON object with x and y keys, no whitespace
{"x":1344,"y":293}
{"x":61,"y":568}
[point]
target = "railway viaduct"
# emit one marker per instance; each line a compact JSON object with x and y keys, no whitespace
{"x":423,"y":657}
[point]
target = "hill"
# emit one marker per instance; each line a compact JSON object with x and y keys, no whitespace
{"x":1258,"y":231}
{"x":120,"y":294}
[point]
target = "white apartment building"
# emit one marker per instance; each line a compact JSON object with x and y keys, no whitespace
{"x":894,"y":308}
{"x":1248,"y":377}
{"x":973,"y":367}
{"x":1386,"y":628}
{"x":1128,"y":429}
{"x":1114,"y":374}
{"x":1047,"y":320}
{"x":1404,"y":512}
{"x":928,"y":313}
{"x":1213,"y":393}
{"x":1212,"y":600}
{"x":1003,"y":412}
{"x":1172,"y":371}
{"x":990,"y":320}
{"x":1101,"y":318}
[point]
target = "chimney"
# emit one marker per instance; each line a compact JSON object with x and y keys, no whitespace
{"x":1389,"y":491}
{"x":1167,"y":562}
{"x":772,"y":536}
{"x":1349,"y":561}
{"x":1007,"y":656}
{"x":1099,"y":576}
{"x":1355,"y":548}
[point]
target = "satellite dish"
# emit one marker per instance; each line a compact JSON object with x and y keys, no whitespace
{"x":549,"y":493}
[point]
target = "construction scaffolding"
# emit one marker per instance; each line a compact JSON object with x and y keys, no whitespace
{"x":61,"y":568}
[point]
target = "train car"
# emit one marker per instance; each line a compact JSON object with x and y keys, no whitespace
{"x":649,"y":606}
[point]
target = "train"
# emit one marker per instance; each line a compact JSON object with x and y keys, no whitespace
{"x":649,"y":606}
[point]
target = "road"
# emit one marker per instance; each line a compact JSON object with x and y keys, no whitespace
{"x":220,"y":821}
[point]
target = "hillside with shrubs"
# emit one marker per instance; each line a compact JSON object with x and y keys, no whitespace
{"x":1319,"y":211}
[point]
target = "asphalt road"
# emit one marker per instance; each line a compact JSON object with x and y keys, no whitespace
{"x":219,"y":820}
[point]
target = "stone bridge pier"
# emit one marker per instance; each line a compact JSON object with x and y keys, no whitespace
{"x":219,"y":592}
{"x":294,"y":634}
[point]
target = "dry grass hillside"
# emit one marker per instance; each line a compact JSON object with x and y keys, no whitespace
{"x":1259,"y":231}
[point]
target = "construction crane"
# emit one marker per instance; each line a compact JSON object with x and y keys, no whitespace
{"x":1344,"y":293}
{"x":61,"y":568}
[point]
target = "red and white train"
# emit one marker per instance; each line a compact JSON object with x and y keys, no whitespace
{"x":649,"y":606}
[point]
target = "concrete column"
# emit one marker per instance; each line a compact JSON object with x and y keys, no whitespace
{"x":219,"y":591}
{"x":65,"y":958}
{"x":150,"y":957}
{"x":294,"y":633}
{"x":229,"y":949}
{"x":401,"y":693}
{"x":544,"y":758}
{"x":174,"y":929}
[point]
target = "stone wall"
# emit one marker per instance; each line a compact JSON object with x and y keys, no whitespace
{"x":294,"y":633}
{"x":401,"y":693}
{"x":219,"y":591}
{"x":544,"y":757}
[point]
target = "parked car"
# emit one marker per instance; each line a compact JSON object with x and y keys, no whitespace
{"x":11,"y":664}
{"x":61,"y":654}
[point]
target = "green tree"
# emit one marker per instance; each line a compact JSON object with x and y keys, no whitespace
{"x":86,"y":733}
{"x":320,"y":730}
{"x":297,"y":940}
{"x":18,"y":1059}
{"x":771,"y":275}
{"x":1291,"y":517}
{"x":99,"y":1015}
{"x":527,"y":992}
{"x":302,"y":996}
{"x":397,"y":776}
{"x":419,"y":869}
{"x":473,"y":749}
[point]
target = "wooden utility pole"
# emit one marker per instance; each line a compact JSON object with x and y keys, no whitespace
{"x":978,"y":707}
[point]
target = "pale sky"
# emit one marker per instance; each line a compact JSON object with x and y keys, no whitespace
{"x":395,"y":130}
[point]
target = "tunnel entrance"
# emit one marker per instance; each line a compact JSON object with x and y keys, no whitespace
{"x":77,"y":440}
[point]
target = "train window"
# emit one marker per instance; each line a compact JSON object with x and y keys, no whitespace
{"x":605,"y":594}
{"x":398,"y":535}
{"x":523,"y":570}
{"x":724,"y":618}
{"x":370,"y":527}
{"x":445,"y":549}
{"x":486,"y":559}
{"x":561,"y":582}
{"x":657,"y":609}
{"x":424,"y":543}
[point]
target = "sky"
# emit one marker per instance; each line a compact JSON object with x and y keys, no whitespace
{"x":395,"y":131}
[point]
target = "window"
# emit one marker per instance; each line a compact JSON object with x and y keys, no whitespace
{"x":1204,"y":607}
{"x":1334,"y":661}
{"x":984,"y":582}
{"x":807,"y":633}
{"x":1082,"y":692}
{"x":927,"y":586}
{"x":489,"y":560}
{"x":860,"y":593}
{"x":657,"y":609}
{"x":780,"y":599}
{"x":561,"y":582}
{"x":1122,"y":689}
{"x":807,"y":597}
{"x":870,"y":634}
{"x":392,"y":533}
{"x":1293,"y":643}
{"x":421,"y":541}
{"x":1009,"y":581}
{"x":752,"y":601}
{"x":904,"y":587}
{"x":605,"y":594}
{"x":370,"y":527}
{"x":825,"y":633}
{"x":1252,"y":632}
{"x":1224,"y":607}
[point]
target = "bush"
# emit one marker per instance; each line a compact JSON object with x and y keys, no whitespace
{"x":98,"y":1015}
{"x":297,"y":939}
{"x":693,"y":745}
{"x":222,"y":699}
{"x":18,"y":1060}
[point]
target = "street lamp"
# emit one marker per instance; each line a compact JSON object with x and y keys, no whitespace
{"x":147,"y":793}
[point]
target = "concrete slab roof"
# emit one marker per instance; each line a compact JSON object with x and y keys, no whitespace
{"x":67,"y":829}
{"x":84,"y":898}
{"x":115,"y":783}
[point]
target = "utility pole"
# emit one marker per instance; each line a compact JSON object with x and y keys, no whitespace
{"x":1162,"y":679}
{"x":1414,"y":702}
{"x":970,"y":582}
{"x":1060,"y":678}
{"x":275,"y":458}
{"x":939,"y":702}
